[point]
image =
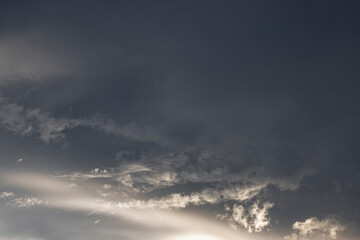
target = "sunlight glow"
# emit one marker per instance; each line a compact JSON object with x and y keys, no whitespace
{"x":194,"y":237}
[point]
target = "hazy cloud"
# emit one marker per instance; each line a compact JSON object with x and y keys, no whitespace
{"x":328,"y":227}
{"x":25,"y":202}
{"x":29,"y":121}
{"x":28,"y":56}
{"x":5,"y":195}
{"x":150,"y":110}
{"x":80,"y":200}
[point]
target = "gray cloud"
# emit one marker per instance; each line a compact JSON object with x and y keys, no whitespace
{"x":171,"y":108}
{"x":27,"y":121}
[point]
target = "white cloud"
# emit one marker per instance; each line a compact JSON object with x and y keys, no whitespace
{"x":25,"y":202}
{"x":253,"y":219}
{"x":312,"y":227}
{"x":207,"y":196}
{"x":5,"y":195}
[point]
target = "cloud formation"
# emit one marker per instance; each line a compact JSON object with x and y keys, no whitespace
{"x":253,"y":218}
{"x":25,"y":202}
{"x":207,"y":196}
{"x":141,"y":178}
{"x":5,"y":195}
{"x":312,"y":227}
{"x":32,"y":121}
{"x":154,"y":109}
{"x":55,"y":194}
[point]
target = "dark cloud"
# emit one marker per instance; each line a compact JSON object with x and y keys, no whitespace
{"x":188,"y":98}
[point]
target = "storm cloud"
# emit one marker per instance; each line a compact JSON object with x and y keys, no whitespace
{"x":126,"y":119}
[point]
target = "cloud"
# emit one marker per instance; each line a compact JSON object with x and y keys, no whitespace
{"x":53,"y":193}
{"x":235,"y":119}
{"x":10,"y":116}
{"x":25,"y":202}
{"x":151,"y":171}
{"x":207,"y":196}
{"x":140,"y":179}
{"x":50,"y":192}
{"x":311,"y":227}
{"x":33,"y":121}
{"x":5,"y":195}
{"x":253,"y":219}
{"x":136,"y":176}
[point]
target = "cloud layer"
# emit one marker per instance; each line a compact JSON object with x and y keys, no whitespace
{"x":179,"y":119}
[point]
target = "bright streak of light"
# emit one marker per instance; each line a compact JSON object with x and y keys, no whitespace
{"x":194,"y":237}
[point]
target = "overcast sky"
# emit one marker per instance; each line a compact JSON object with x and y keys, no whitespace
{"x":179,"y":120}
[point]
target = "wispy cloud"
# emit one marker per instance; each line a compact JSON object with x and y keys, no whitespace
{"x":54,"y":193}
{"x":216,"y":185}
{"x":5,"y":195}
{"x":25,"y":202}
{"x":207,"y":196}
{"x":33,"y":121}
{"x":312,"y":227}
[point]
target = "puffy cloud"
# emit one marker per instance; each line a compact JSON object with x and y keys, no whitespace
{"x":311,"y":227}
{"x":253,"y":219}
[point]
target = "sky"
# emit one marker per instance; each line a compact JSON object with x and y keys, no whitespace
{"x":179,"y":120}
